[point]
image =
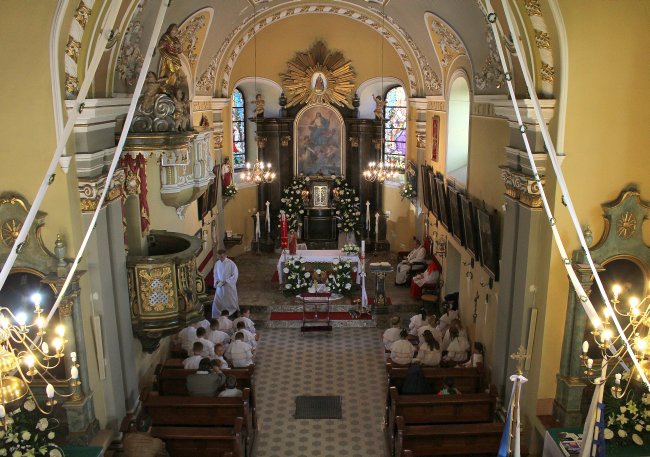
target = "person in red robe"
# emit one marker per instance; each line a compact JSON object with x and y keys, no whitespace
{"x":429,"y":277}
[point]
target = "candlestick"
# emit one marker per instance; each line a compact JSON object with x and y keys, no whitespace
{"x":377,"y":227}
{"x":363,"y":247}
{"x":268,"y":216}
{"x":257,"y":226}
{"x":585,"y":347}
{"x":368,"y":215}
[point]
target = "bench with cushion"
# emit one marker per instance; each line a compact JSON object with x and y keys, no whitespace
{"x":466,"y":380}
{"x":202,"y":441}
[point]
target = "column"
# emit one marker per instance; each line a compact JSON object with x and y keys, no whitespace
{"x":419,"y":111}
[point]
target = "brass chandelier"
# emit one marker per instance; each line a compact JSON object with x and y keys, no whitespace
{"x":28,"y":356}
{"x":381,"y":171}
{"x":259,"y":173}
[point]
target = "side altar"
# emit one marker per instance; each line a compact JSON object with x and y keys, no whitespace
{"x":318,"y":136}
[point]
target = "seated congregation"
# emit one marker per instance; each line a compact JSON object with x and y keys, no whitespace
{"x":203,"y":399}
{"x":437,"y":401}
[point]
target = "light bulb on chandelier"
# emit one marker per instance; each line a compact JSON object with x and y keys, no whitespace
{"x":25,"y":357}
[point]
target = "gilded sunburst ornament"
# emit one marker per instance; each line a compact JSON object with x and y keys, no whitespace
{"x":626,"y":225}
{"x":319,"y":76}
{"x":10,"y":230}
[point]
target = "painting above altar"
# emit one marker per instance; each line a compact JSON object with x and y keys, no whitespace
{"x":319,"y":133}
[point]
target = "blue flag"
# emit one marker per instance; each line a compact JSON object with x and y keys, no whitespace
{"x":505,"y":437}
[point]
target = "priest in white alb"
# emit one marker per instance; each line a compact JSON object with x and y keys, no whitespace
{"x":404,"y":267}
{"x":225,"y":283}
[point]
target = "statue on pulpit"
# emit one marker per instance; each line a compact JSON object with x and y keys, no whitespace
{"x":170,"y":49}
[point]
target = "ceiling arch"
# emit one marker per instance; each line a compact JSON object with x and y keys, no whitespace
{"x":422,"y":79}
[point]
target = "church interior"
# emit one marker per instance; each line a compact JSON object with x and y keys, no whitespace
{"x":427,"y":220}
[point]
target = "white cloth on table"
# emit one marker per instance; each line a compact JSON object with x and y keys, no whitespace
{"x":390,"y":336}
{"x":318,"y":256}
{"x":225,"y":296}
{"x":427,"y":356}
{"x":402,"y":352}
{"x":404,"y":267}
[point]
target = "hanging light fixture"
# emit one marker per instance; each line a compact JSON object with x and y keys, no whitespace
{"x":26,"y":356}
{"x":259,"y":173}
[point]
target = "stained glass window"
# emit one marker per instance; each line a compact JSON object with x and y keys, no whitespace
{"x":238,"y":130}
{"x":395,"y":112}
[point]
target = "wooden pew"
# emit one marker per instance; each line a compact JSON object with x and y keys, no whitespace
{"x":186,"y":411}
{"x":439,"y":409}
{"x":467,"y":380}
{"x":202,"y":441}
{"x":453,"y":439}
{"x":171,"y":380}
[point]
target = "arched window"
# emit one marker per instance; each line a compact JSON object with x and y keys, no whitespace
{"x":238,"y":130}
{"x":458,"y":131}
{"x":395,"y":113}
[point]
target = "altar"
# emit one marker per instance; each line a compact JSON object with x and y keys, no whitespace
{"x":317,"y":256}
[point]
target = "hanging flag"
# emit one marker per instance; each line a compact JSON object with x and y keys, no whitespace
{"x":504,"y":448}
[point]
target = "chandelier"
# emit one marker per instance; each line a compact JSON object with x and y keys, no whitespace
{"x":26,"y":357}
{"x":381,"y":171}
{"x":260,"y":173}
{"x":637,"y":315}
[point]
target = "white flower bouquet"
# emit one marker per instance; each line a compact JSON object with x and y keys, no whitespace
{"x":346,"y":203}
{"x":230,"y":191}
{"x":407,"y":191}
{"x":296,"y":278}
{"x":340,"y":281}
{"x":28,"y":434}
{"x":350,"y":249}
{"x":292,"y":201}
{"x":627,"y":419}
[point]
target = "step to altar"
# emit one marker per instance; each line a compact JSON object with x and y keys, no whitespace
{"x":290,"y":316}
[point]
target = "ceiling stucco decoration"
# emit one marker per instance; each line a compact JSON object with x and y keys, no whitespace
{"x":491,"y":74}
{"x":130,"y":57}
{"x":192,"y":34}
{"x":319,"y":76}
{"x":73,"y":47}
{"x":447,"y":44}
{"x":543,"y":44}
{"x":415,"y":64}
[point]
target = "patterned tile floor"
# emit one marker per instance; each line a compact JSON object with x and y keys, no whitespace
{"x":349,"y":362}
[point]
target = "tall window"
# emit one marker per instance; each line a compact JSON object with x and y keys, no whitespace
{"x":395,"y":126}
{"x":458,"y":131}
{"x":238,"y":130}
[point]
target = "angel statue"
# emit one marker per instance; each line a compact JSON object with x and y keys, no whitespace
{"x":259,"y":105}
{"x":170,"y":63}
{"x":379,"y":106}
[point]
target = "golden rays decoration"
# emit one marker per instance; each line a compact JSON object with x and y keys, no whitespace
{"x":319,"y":76}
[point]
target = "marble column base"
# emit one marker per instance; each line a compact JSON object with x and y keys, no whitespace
{"x":568,"y":401}
{"x":82,"y":424}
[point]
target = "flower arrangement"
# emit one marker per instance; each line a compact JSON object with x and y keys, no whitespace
{"x":28,"y":434}
{"x":230,"y":191}
{"x":346,"y":203}
{"x":296,"y":279}
{"x":340,"y":281}
{"x":350,"y":249}
{"x":627,"y":419}
{"x":407,"y":191}
{"x":292,"y":200}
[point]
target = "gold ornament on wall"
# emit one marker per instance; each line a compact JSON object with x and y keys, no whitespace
{"x":626,"y":225}
{"x":319,"y":76}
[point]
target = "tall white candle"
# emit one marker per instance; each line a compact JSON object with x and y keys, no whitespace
{"x":363,"y":247}
{"x":257,"y":226}
{"x":377,"y":226}
{"x":367,"y":215}
{"x":268,"y":217}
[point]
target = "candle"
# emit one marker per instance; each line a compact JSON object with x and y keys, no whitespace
{"x":74,"y":373}
{"x":585,"y":347}
{"x":590,"y":363}
{"x":49,"y":391}
{"x":73,"y":356}
{"x":363,"y":247}
{"x":257,"y":226}
{"x":368,"y":215}
{"x":268,"y":216}
{"x":617,"y":377}
{"x":377,"y":226}
{"x":2,"y":412}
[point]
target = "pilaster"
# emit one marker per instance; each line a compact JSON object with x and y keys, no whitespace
{"x":419,"y":106}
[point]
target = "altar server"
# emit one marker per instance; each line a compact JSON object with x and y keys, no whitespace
{"x":404,"y":267}
{"x":246,"y":319}
{"x":225,"y":283}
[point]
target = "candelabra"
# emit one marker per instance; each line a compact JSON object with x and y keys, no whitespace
{"x":614,"y":348}
{"x":260,"y":173}
{"x":26,"y":357}
{"x":381,"y":171}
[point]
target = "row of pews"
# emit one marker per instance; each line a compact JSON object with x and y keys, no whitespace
{"x":432,"y":425}
{"x":211,"y":426}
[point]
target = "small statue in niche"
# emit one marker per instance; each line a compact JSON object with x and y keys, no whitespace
{"x":259,"y":105}
{"x":304,"y":194}
{"x":379,"y":107}
{"x":170,"y":49}
{"x":204,"y":121}
{"x":181,"y":112}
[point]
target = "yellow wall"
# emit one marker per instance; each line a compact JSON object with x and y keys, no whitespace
{"x":401,"y":222}
{"x":606,"y":138}
{"x":237,"y":217}
{"x":358,"y":43}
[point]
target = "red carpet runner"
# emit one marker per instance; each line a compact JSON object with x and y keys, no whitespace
{"x":335,"y":316}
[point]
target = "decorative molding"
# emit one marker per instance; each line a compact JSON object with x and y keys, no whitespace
{"x":491,"y":74}
{"x":130,"y":58}
{"x":421,"y":139}
{"x":522,"y":187}
{"x":91,"y":189}
{"x":193,"y":33}
{"x":73,"y":47}
{"x":446,"y":42}
{"x":543,"y":44}
{"x":223,"y":63}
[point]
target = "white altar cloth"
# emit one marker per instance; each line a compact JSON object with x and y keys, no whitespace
{"x":316,"y":256}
